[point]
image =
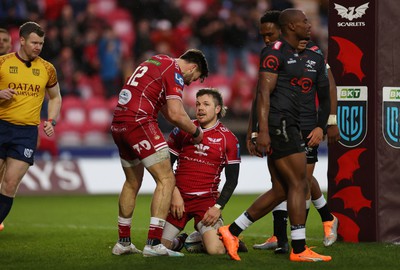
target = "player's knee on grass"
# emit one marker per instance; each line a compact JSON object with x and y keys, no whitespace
{"x":212,"y":244}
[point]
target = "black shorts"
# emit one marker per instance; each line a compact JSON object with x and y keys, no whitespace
{"x":311,"y":152}
{"x":285,"y":140}
{"x":18,"y":142}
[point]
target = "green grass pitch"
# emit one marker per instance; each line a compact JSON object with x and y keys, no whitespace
{"x":78,"y":232}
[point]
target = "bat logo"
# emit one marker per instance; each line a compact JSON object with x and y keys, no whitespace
{"x":350,"y":56}
{"x":353,"y":198}
{"x":214,"y":140}
{"x":391,"y":116}
{"x":347,"y":229}
{"x":348,"y":163}
{"x":351,"y":12}
{"x":352,"y":114}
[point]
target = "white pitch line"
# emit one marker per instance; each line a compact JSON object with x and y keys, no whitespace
{"x":109,"y":228}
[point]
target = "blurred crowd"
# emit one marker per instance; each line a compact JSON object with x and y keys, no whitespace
{"x":96,"y":44}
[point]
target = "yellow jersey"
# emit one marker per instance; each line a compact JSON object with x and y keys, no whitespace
{"x":30,"y":83}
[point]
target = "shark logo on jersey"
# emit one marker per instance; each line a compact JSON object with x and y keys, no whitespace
{"x":201,"y":149}
{"x":179,"y":79}
{"x":310,"y":64}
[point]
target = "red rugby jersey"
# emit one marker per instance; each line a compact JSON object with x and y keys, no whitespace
{"x":199,"y":166}
{"x":147,"y":89}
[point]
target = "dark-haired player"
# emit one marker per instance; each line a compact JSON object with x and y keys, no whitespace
{"x":270,"y":30}
{"x":285,"y":73}
{"x":198,"y":174}
{"x":156,"y":85}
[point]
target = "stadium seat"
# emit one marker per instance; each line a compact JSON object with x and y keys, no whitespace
{"x":219,"y":81}
{"x":112,"y":103}
{"x":68,"y":134}
{"x":223,"y":84}
{"x":95,"y":136}
{"x":98,"y":113}
{"x":242,"y":88}
{"x":195,"y":7}
{"x":72,"y":119}
{"x":89,"y":86}
{"x":73,"y":111}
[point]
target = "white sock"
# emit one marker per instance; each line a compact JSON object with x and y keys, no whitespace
{"x":320,"y":202}
{"x":124,"y":221}
{"x":243,"y":222}
{"x":282,"y":206}
{"x":157,"y":222}
{"x":298,"y":234}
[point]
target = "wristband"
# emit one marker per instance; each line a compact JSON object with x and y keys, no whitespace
{"x":52,"y":122}
{"x":217,"y":206}
{"x":196,"y":133}
{"x":332,"y":120}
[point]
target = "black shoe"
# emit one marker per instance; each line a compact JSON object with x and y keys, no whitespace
{"x":283,"y":248}
{"x":181,"y":239}
{"x":242,"y":247}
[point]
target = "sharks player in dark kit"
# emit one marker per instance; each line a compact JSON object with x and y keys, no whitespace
{"x":284,"y":74}
{"x":270,"y":30}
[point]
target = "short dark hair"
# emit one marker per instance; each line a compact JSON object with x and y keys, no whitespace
{"x":217,"y":99}
{"x":30,"y":27}
{"x":5,"y":31}
{"x":287,"y":16}
{"x":197,"y":57}
{"x":271,"y":16}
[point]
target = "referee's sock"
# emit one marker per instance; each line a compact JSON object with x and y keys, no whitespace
{"x":5,"y":206}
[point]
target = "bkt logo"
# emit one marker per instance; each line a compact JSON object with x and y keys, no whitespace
{"x":391,"y":116}
{"x":352,"y":115}
{"x":394,"y":94}
{"x":347,"y":93}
